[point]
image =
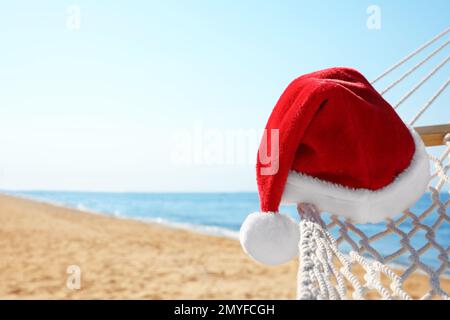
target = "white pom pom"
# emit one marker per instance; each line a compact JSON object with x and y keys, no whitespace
{"x":270,"y":238}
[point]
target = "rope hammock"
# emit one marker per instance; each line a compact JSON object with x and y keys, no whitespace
{"x":325,"y":272}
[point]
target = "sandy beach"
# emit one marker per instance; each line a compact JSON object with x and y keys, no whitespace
{"x":125,"y":259}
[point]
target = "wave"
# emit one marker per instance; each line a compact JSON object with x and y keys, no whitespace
{"x":203,"y":229}
{"x":197,"y":228}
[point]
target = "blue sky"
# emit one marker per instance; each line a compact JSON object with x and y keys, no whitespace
{"x":101,"y":107}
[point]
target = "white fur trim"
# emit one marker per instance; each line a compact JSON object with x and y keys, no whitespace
{"x":270,"y":238}
{"x":363,"y":205}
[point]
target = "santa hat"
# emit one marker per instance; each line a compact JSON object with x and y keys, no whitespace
{"x":332,"y":141}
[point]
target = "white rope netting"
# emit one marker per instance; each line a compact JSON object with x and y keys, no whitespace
{"x":365,"y":270}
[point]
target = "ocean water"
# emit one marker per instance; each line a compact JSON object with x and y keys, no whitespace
{"x":222,"y":214}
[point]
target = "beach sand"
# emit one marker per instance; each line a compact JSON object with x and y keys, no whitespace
{"x":125,"y":259}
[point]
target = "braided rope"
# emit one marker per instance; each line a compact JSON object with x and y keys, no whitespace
{"x":429,"y":102}
{"x":421,"y":82}
{"x":407,"y":73}
{"x":412,"y":54}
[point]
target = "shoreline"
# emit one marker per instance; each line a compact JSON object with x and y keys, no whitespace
{"x":126,"y":258}
{"x":212,"y":231}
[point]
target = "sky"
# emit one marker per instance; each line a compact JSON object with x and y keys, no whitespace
{"x":170,"y":96}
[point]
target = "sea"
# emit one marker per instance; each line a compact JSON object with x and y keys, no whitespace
{"x":221,"y":214}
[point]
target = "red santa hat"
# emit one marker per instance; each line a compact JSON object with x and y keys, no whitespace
{"x":332,"y":141}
